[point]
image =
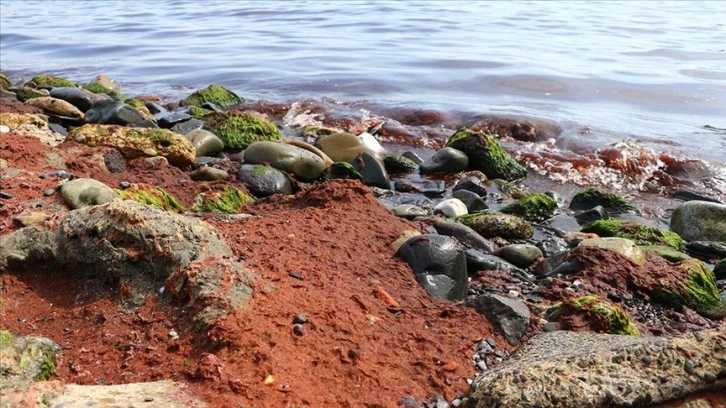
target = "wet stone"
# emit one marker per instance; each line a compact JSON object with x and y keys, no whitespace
{"x":298,"y":329}
{"x":474,"y":203}
{"x":49,"y":192}
{"x":300,"y":318}
{"x":473,"y":184}
{"x":187,"y":126}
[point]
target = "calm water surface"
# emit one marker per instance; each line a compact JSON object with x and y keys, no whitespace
{"x":650,"y":71}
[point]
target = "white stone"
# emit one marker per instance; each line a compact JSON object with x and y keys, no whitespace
{"x":453,"y":207}
{"x":371,"y":144}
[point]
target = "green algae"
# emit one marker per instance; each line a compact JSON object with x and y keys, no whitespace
{"x":239,"y":130}
{"x":592,"y":197}
{"x":633,"y":231}
{"x":535,"y":207}
{"x":215,"y":94}
{"x":344,"y":170}
{"x":490,"y":224}
{"x":699,"y":291}
{"x":666,"y":252}
{"x":227,"y":201}
{"x":100,"y":89}
{"x":395,"y":163}
{"x":157,"y":197}
{"x":486,"y":154}
{"x":47,"y":367}
{"x":199,"y":112}
{"x":6,"y":338}
{"x":50,"y":81}
{"x":5,"y":82}
{"x":162,"y":137}
{"x":618,"y":321}
{"x":25,"y":93}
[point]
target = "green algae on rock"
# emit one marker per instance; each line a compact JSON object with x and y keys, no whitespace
{"x":697,"y":291}
{"x":100,"y":89}
{"x":492,"y":224}
{"x":240,"y":129}
{"x":592,"y":197}
{"x":638,"y":233}
{"x":26,"y":93}
{"x":215,"y":94}
{"x":486,"y":154}
{"x":534,"y":207}
{"x":601,"y":316}
{"x":227,"y":201}
{"x":157,"y":197}
{"x":50,"y":81}
{"x":666,"y":252}
{"x":5,"y":82}
{"x":25,"y":359}
{"x":199,"y":112}
{"x":344,"y":170}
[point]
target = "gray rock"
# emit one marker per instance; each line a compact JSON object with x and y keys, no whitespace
{"x":473,"y":184}
{"x":413,"y":157}
{"x":474,"y":203}
{"x":622,"y":246}
{"x":205,"y":142}
{"x":184,"y":128}
{"x":700,"y":221}
{"x":593,"y":214}
{"x":431,"y":188}
{"x":438,"y":263}
{"x":373,"y":172}
{"x":477,"y":260}
{"x":341,"y":147}
{"x":395,"y":163}
{"x":521,"y":255}
{"x":83,"y":192}
{"x":720,"y":269}
{"x":409,"y":211}
{"x":464,"y":234}
{"x":446,"y":160}
{"x":114,"y":161}
{"x":113,"y":112}
{"x":25,"y":359}
{"x":684,"y":195}
{"x":206,"y":173}
{"x":171,"y":119}
{"x":303,"y":164}
{"x":264,"y":181}
{"x":74,"y":96}
{"x":580,"y":369}
{"x":510,"y":316}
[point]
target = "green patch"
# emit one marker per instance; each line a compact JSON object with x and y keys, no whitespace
{"x":633,"y":231}
{"x":486,"y":154}
{"x":215,"y":94}
{"x":395,"y":163}
{"x":535,"y":207}
{"x":199,"y":112}
{"x":47,"y":367}
{"x":100,"y":89}
{"x":228,"y":201}
{"x":6,"y":338}
{"x":50,"y":81}
{"x":592,"y":197}
{"x":5,"y":82}
{"x":618,"y":321}
{"x":509,"y":189}
{"x":161,"y":137}
{"x":698,"y":292}
{"x":158,"y":197}
{"x":25,"y":93}
{"x":259,"y":171}
{"x":666,"y":252}
{"x":490,"y":224}
{"x":239,"y":130}
{"x":344,"y":170}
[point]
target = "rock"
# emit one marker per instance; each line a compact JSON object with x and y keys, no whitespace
{"x":341,"y":147}
{"x":413,"y":157}
{"x":206,"y":173}
{"x":510,"y":316}
{"x":519,"y":127}
{"x":641,"y":234}
{"x":438,"y":263}
{"x":106,"y":82}
{"x":407,"y":234}
{"x":397,"y":164}
{"x":409,"y":211}
{"x":25,"y":359}
{"x":30,"y":218}
{"x":264,"y":181}
{"x":446,"y":160}
{"x":50,"y":81}
{"x":707,"y":248}
{"x":83,"y":192}
{"x":700,"y":221}
{"x":686,"y":195}
{"x":215,"y":94}
{"x":473,"y":184}
{"x":486,"y":154}
{"x":373,"y":172}
{"x":473,"y":202}
{"x":465,"y":235}
{"x":495,"y":224}
{"x":476,"y":261}
{"x":430,"y":188}
{"x":593,"y":313}
{"x":719,"y":271}
{"x":74,"y":96}
{"x":534,"y":207}
{"x":137,"y":142}
{"x":5,"y":82}
{"x":592,"y":197}
{"x":601,"y":370}
{"x":16,"y":120}
{"x":666,"y":252}
{"x":307,"y":146}
{"x":113,"y":112}
{"x":205,"y":142}
{"x":57,"y":107}
{"x":188,"y":126}
{"x":453,"y":207}
{"x":372,"y":145}
{"x":344,"y":170}
{"x":593,"y":214}
{"x":238,"y":130}
{"x":171,"y":119}
{"x":303,"y":164}
{"x":103,"y":93}
{"x":521,"y":255}
{"x":622,"y":246}
{"x":25,"y":93}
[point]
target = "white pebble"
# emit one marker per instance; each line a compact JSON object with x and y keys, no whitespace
{"x":453,"y":207}
{"x":371,"y":144}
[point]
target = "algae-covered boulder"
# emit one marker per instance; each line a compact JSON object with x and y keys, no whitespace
{"x":700,"y":221}
{"x":50,"y":81}
{"x":641,"y":234}
{"x":534,"y":207}
{"x":137,"y":142}
{"x":486,"y":154}
{"x":216,"y":94}
{"x":597,"y":314}
{"x":490,"y":224}
{"x":695,"y":289}
{"x":240,"y":129}
{"x":592,"y":197}
{"x":100,"y":89}
{"x":25,"y":93}
{"x":398,"y":164}
{"x":666,"y":252}
{"x":264,"y":181}
{"x":25,"y":359}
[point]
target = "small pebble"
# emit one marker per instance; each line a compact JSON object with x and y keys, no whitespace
{"x":49,"y":192}
{"x":300,"y":318}
{"x":688,"y":367}
{"x":124,"y":185}
{"x":296,"y":275}
{"x":5,"y":195}
{"x":482,"y":366}
{"x":148,"y":399}
{"x":492,"y":342}
{"x":298,"y":329}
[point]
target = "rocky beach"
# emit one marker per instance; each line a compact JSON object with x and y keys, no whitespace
{"x":215,"y":251}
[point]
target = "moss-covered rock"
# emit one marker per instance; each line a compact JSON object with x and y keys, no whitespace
{"x":5,"y":82}
{"x":50,"y":81}
{"x":395,"y":163}
{"x":601,"y":315}
{"x":666,"y":252}
{"x":227,"y":201}
{"x":25,"y":359}
{"x":199,"y":112}
{"x":156,"y":196}
{"x":240,"y":129}
{"x":141,"y":107}
{"x":638,"y":233}
{"x":492,"y":224}
{"x":26,"y":93}
{"x":535,"y":207}
{"x":100,"y":89}
{"x":215,"y":94}
{"x":697,"y":291}
{"x":592,"y":197}
{"x":344,"y":170}
{"x":486,"y":154}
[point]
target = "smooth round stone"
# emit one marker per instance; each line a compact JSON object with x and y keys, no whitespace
{"x":264,"y":181}
{"x":187,"y":126}
{"x":521,"y":255}
{"x":593,"y":214}
{"x":472,"y":201}
{"x":113,"y":112}
{"x":167,"y":121}
{"x":446,"y":160}
{"x":453,"y":207}
{"x":74,"y":96}
{"x":413,"y":157}
{"x":207,"y":173}
{"x":341,"y":146}
{"x":373,"y":172}
{"x":205,"y":142}
{"x":624,"y":247}
{"x":303,"y":164}
{"x":473,"y":184}
{"x":409,"y":211}
{"x":48,"y":192}
{"x":700,"y":221}
{"x":83,"y":192}
{"x":371,"y":144}
{"x":55,"y":106}
{"x":438,"y":263}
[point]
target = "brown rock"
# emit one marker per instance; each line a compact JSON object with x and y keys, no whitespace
{"x":54,"y":106}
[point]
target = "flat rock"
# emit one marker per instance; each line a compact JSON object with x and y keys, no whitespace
{"x":510,"y":316}
{"x":700,"y":221}
{"x":84,"y":192}
{"x":622,"y":246}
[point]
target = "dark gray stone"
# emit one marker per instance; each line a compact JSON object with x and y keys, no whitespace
{"x":465,"y":235}
{"x":372,"y":170}
{"x":74,"y":96}
{"x":264,"y":181}
{"x":593,"y":214}
{"x":446,"y":160}
{"x":413,"y":157}
{"x":473,"y":184}
{"x":396,"y":163}
{"x":684,"y":195}
{"x":474,"y":203}
{"x":113,"y":112}
{"x":114,"y":161}
{"x":431,"y":188}
{"x":438,"y":263}
{"x":187,"y":126}
{"x":171,"y":119}
{"x":510,"y":316}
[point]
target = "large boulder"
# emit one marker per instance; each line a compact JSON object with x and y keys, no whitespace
{"x":136,"y":142}
{"x":303,"y":164}
{"x":569,"y":369}
{"x":238,"y":130}
{"x":638,"y":233}
{"x":486,"y":154}
{"x":700,"y":221}
{"x":215,"y":94}
{"x":341,"y":146}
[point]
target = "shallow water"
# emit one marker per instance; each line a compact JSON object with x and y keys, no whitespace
{"x":650,"y":72}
